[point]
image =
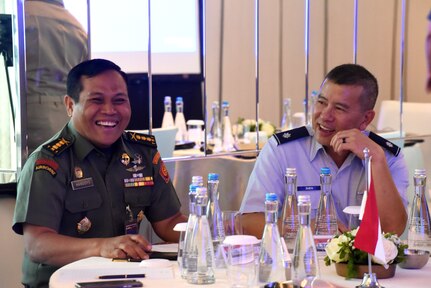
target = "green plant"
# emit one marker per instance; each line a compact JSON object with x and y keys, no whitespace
{"x":341,"y":249}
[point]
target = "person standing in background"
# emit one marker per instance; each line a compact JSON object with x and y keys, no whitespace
{"x":55,"y":42}
{"x":428,"y":53}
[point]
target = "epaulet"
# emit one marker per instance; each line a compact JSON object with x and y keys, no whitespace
{"x":58,"y":146}
{"x":388,"y":145}
{"x":146,"y":139}
{"x":290,"y":135}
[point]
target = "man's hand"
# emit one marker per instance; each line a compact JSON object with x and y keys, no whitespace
{"x":126,"y":246}
{"x":355,"y":141}
{"x":45,"y":245}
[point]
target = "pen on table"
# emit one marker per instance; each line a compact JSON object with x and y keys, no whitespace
{"x":126,"y":260}
{"x":122,"y":276}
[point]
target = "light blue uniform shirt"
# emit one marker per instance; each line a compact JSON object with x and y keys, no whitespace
{"x":308,"y":156}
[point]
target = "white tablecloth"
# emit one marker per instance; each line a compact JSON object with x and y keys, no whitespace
{"x":90,"y":268}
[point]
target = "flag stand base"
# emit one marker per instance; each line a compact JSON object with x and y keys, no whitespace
{"x":369,"y":281}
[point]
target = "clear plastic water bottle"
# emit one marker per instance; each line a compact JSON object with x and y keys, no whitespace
{"x":215,"y":133}
{"x":168,"y":120}
{"x":305,"y":266}
{"x":311,"y":103}
{"x":180,"y":121}
{"x":215,"y":219}
{"x":200,"y":260}
{"x":326,"y":220}
{"x":289,"y":226}
{"x":286,"y":119}
{"x":228,"y":141}
{"x":190,"y":223}
{"x":419,"y":233}
{"x":272,"y":261}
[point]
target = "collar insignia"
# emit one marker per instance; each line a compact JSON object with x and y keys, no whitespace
{"x":286,"y":135}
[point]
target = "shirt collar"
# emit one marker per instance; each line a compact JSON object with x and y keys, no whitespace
{"x":316,"y":147}
{"x":82,"y":146}
{"x":54,"y":2}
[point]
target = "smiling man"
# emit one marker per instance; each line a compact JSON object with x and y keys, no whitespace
{"x":336,"y":140}
{"x":84,"y":192}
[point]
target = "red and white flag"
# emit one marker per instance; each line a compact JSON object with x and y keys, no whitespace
{"x":369,"y":237}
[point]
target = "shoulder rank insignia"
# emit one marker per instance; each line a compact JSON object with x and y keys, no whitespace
{"x":290,"y":135}
{"x":145,"y":139}
{"x":388,"y":145}
{"x":57,"y":146}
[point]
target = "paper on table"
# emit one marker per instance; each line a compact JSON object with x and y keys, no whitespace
{"x":171,"y":247}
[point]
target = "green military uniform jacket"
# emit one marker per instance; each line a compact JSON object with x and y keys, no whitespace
{"x":81,"y":191}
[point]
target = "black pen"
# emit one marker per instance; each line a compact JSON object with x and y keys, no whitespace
{"x":122,"y":276}
{"x":126,"y":260}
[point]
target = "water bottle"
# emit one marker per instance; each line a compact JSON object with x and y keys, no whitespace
{"x":215,"y":220}
{"x":326,"y":220}
{"x":289,"y":226}
{"x":190,"y":223}
{"x":305,"y":265}
{"x":168,"y":120}
{"x":215,"y":134}
{"x":311,"y":103}
{"x":180,"y":121}
{"x":286,"y":119}
{"x":419,"y":232}
{"x":200,"y":260}
{"x":272,"y":261}
{"x":228,"y":141}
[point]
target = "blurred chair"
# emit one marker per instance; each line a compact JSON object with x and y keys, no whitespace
{"x":415,"y":117}
{"x":165,"y":138}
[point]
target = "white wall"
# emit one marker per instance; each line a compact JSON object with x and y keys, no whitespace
{"x":282,"y":56}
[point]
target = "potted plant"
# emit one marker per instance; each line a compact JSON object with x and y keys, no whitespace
{"x":352,"y":263}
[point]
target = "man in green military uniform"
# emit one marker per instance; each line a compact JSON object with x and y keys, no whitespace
{"x":83,"y":192}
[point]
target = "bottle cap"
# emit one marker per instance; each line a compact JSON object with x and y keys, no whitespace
{"x":325,"y":170}
{"x":192,"y":188}
{"x":420,"y":172}
{"x":168,"y":99}
{"x":179,"y":99}
{"x":212,"y":176}
{"x":303,"y":198}
{"x":197,"y":179}
{"x":271,"y":197}
{"x":290,"y":170}
{"x":225,"y":103}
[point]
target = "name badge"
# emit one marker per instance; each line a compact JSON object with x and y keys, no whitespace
{"x":82,"y":183}
{"x":308,"y":188}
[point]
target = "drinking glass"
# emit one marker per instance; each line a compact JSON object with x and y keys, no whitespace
{"x":241,"y":260}
{"x":232,"y":222}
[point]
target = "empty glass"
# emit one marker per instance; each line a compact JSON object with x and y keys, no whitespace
{"x":181,"y":227}
{"x":232,"y":222}
{"x":241,"y":260}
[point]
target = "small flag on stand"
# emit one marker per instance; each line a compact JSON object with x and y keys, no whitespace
{"x":369,"y":236}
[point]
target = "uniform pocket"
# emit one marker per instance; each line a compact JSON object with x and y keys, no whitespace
{"x":138,"y":196}
{"x":83,"y":200}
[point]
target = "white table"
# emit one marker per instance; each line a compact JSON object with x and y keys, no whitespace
{"x":90,"y":268}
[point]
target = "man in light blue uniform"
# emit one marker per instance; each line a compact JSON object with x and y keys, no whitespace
{"x":336,"y":140}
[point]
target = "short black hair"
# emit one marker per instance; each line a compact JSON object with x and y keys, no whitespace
{"x":356,"y":75}
{"x":89,"y":68}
